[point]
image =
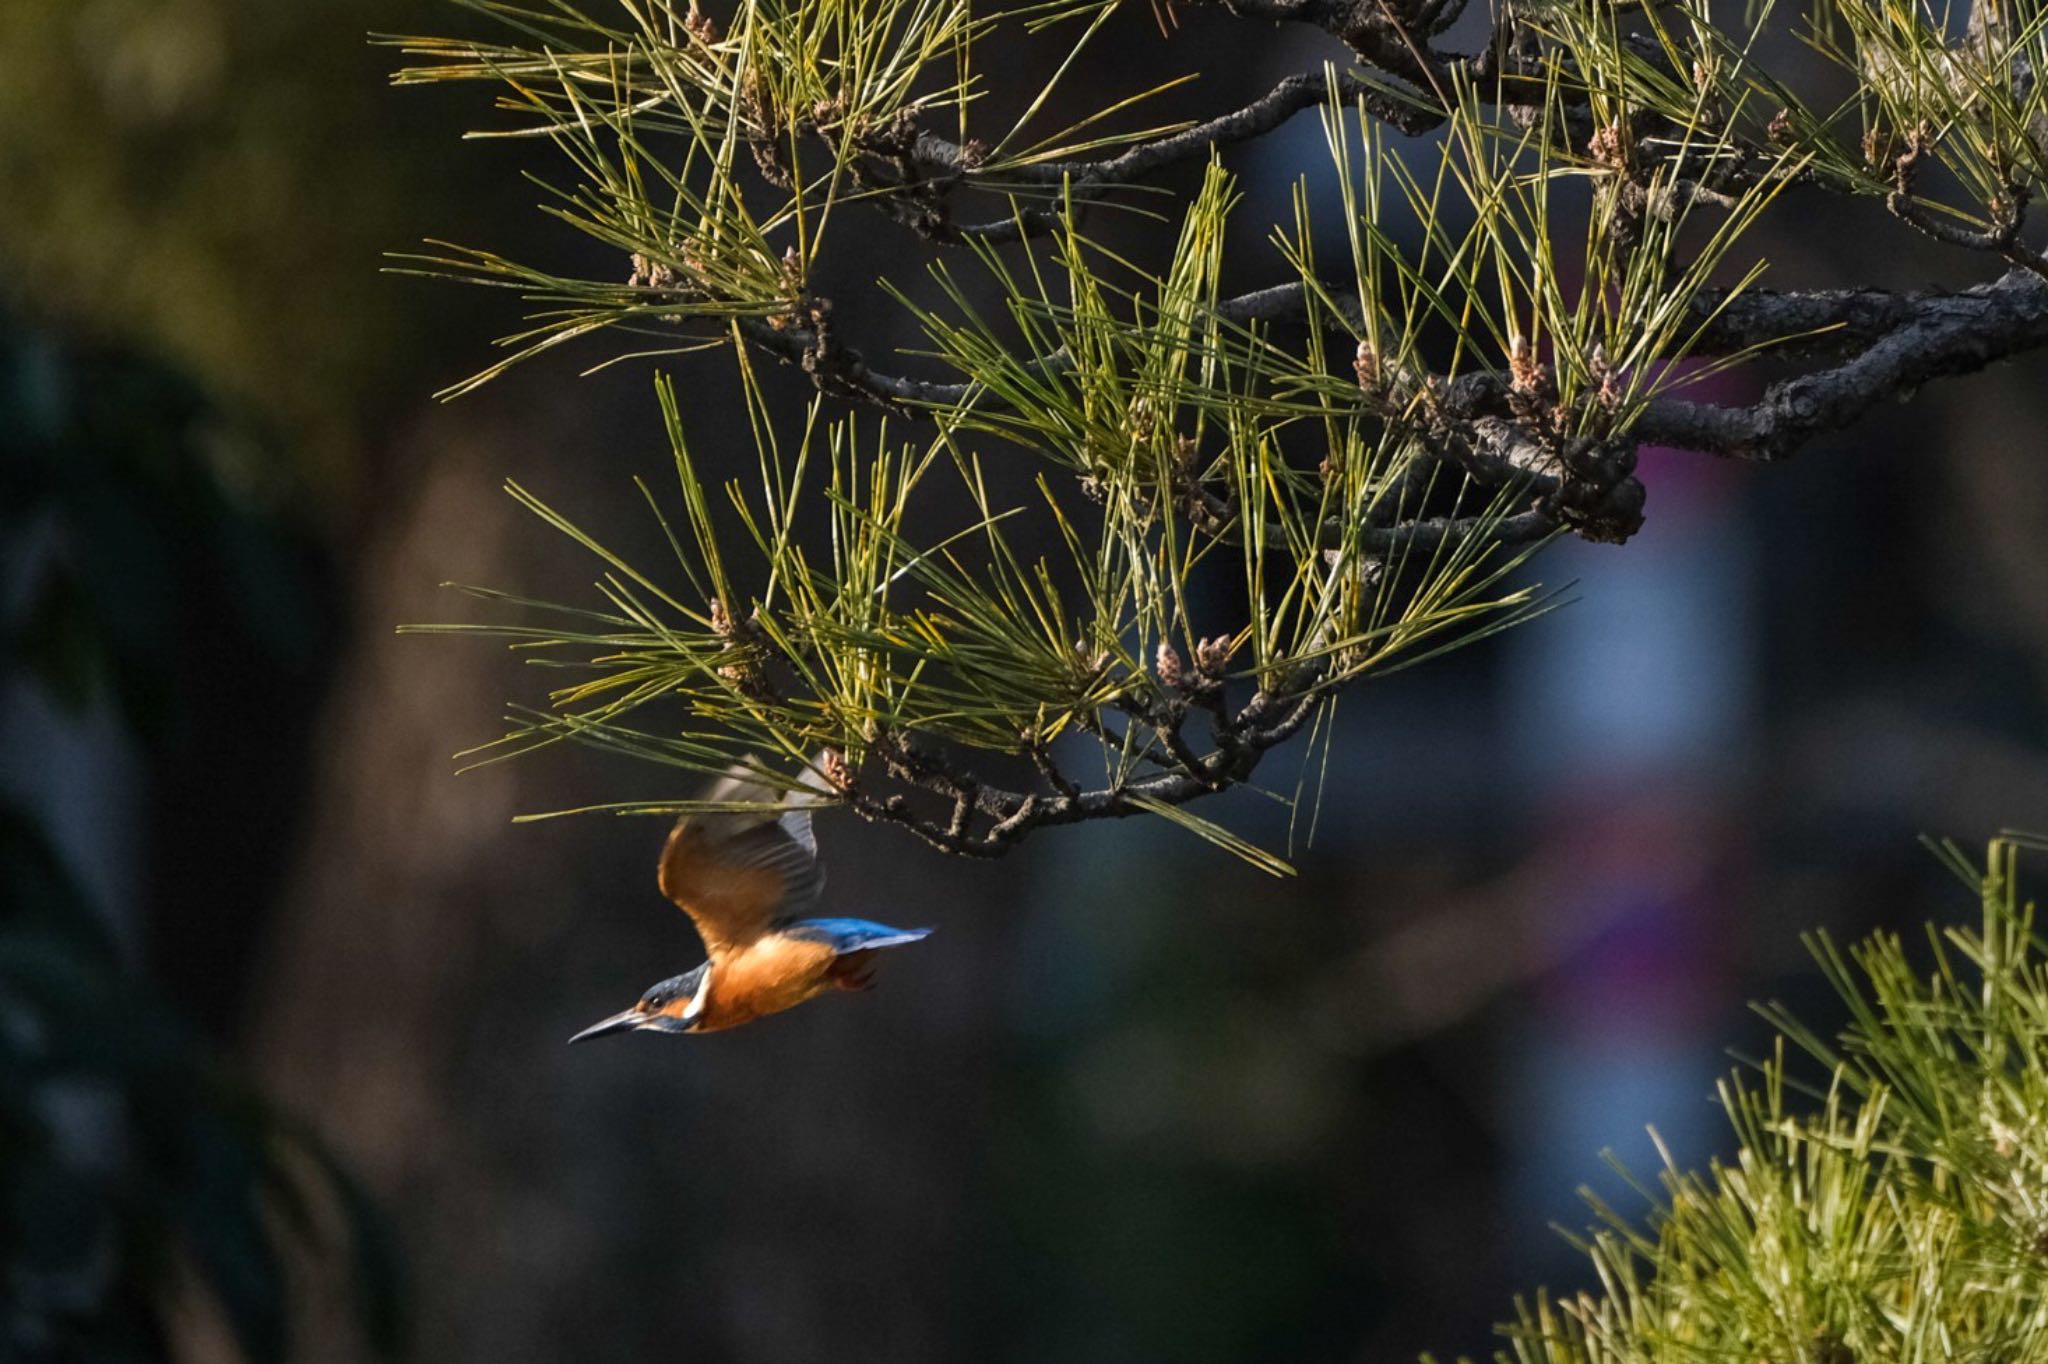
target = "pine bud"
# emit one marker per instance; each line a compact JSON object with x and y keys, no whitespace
{"x":1525,"y":372}
{"x":1167,"y":664}
{"x":1607,"y":146}
{"x":1367,"y":366}
{"x":1212,"y":658}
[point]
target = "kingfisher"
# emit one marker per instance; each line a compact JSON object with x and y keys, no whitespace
{"x":747,"y":879}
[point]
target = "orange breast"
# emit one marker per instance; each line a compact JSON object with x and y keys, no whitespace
{"x":766,"y":976}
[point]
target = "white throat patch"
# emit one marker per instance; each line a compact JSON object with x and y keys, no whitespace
{"x":695,"y":1008}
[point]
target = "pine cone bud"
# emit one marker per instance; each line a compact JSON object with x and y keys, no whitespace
{"x":1167,"y":664}
{"x":1525,"y":372}
{"x":1608,"y":147}
{"x":1212,"y":658}
{"x":1367,"y":366}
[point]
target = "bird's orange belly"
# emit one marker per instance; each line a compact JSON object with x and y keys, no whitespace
{"x":765,"y":977}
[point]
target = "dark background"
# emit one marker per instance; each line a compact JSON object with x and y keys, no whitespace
{"x":1134,"y":1101}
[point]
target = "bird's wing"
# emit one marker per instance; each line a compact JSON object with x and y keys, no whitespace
{"x":736,"y":873}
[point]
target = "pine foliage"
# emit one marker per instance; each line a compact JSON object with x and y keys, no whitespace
{"x":1897,"y":1211}
{"x":1242,"y":504}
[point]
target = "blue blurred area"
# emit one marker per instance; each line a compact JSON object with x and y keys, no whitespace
{"x":1630,"y":722}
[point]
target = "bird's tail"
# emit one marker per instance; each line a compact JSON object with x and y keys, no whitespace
{"x":853,"y":935}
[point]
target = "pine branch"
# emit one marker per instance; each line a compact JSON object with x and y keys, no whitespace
{"x":1196,"y":144}
{"x":1936,"y":336}
{"x":1366,"y":450}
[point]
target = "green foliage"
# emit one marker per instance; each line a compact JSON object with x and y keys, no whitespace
{"x":1354,"y":460}
{"x":966,"y":637}
{"x":1898,"y":1211}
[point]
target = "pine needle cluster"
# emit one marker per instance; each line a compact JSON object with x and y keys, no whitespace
{"x":1896,"y":1211}
{"x":1243,"y":504}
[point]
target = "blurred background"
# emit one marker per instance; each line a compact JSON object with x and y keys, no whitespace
{"x":282,"y":1000}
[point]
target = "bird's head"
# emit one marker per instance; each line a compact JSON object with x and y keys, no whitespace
{"x":675,"y":1005}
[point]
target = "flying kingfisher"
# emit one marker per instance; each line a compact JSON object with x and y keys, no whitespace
{"x":747,"y":879}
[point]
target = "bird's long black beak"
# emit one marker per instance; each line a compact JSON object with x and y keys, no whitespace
{"x":620,"y":1022}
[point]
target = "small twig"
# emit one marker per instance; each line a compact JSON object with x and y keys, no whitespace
{"x":1423,"y":536}
{"x":1041,"y":758}
{"x":2008,"y":210}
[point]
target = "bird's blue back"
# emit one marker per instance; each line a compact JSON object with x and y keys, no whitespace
{"x":851,"y":935}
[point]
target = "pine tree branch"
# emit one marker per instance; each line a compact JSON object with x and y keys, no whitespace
{"x":938,"y":164}
{"x":1941,"y":336}
{"x":1804,"y":323}
{"x":1547,"y":429}
{"x":2008,"y":207}
{"x":1779,"y":323}
{"x":1304,"y":90}
{"x":1393,"y":36}
{"x":1900,"y":342}
{"x":1425,"y":535}
{"x":1268,"y":720}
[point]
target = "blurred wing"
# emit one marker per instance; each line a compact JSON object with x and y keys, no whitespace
{"x":735,"y":873}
